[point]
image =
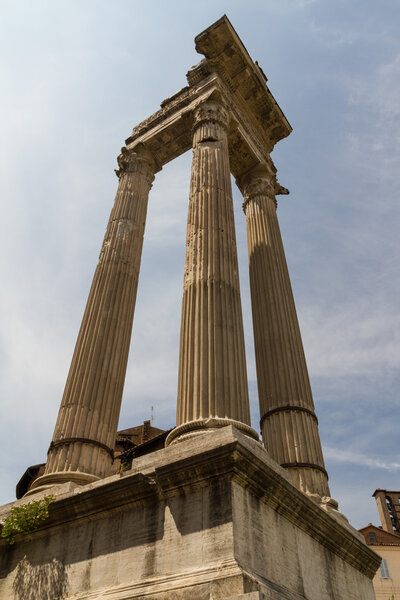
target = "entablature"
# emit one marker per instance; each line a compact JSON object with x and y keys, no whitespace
{"x":226,"y":55}
{"x":168,"y":132}
{"x":229,"y":75}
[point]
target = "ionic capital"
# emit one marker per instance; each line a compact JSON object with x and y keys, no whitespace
{"x":136,"y":161}
{"x":211,"y":112}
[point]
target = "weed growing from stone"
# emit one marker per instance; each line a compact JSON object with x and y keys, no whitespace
{"x":26,"y":518}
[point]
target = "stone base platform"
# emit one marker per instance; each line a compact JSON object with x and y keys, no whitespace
{"x":212,"y":517}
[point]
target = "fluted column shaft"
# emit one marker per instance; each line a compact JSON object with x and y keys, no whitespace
{"x":86,"y":427}
{"x":288,"y":421}
{"x":212,"y":380}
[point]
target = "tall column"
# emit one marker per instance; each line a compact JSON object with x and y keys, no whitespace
{"x":212,"y":380}
{"x":288,"y":421}
{"x":84,"y":436}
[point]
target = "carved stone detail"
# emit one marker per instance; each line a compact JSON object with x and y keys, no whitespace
{"x":258,"y":188}
{"x":211,"y":112}
{"x":280,"y":190}
{"x":137,"y":160}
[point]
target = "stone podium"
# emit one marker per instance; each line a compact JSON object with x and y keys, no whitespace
{"x":215,"y":514}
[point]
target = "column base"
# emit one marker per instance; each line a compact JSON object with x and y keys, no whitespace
{"x":194,"y":428}
{"x":49,"y":480}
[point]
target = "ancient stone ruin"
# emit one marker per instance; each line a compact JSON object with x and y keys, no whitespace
{"x":216,"y":513}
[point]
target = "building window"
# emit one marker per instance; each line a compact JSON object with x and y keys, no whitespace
{"x":384,"y":569}
{"x":372,"y":537}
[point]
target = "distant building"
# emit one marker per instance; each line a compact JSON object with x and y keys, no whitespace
{"x":385,"y":540}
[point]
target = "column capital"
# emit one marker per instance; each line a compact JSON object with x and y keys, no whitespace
{"x":260,"y":182}
{"x":136,"y":160}
{"x":258,"y":186}
{"x":211,"y":111}
{"x":264,"y":171}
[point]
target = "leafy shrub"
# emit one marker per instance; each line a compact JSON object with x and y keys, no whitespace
{"x":26,"y":518}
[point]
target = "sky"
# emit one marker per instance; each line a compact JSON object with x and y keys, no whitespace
{"x":75,"y":78}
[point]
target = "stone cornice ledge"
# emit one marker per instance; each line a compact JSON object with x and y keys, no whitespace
{"x":91,"y":501}
{"x":226,"y":54}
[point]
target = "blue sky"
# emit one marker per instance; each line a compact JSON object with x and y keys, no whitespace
{"x":75,"y":78}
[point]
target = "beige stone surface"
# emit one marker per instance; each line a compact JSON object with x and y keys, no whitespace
{"x":212,"y":520}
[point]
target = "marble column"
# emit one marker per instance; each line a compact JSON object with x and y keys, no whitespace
{"x":84,"y":436}
{"x":288,"y":421}
{"x":212,"y":379}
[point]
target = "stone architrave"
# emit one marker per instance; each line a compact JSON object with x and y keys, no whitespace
{"x":212,"y":380}
{"x":82,"y":447}
{"x":288,"y":421}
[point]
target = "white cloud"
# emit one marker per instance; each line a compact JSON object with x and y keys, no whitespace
{"x":331,"y":36}
{"x":381,"y":93}
{"x":373,"y":146}
{"x":299,"y":3}
{"x":348,"y":456}
{"x":351,"y":338}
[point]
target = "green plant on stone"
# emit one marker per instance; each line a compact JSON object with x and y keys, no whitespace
{"x":125,"y":464}
{"x":26,"y":518}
